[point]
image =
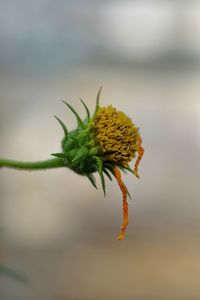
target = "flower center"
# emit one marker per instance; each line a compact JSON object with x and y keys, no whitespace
{"x":116,"y":134}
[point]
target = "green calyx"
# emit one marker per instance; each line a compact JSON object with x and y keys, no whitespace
{"x":80,"y":150}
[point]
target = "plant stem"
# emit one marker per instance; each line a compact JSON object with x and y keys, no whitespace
{"x":38,"y":165}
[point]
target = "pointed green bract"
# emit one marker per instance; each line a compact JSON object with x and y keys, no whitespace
{"x":123,"y":169}
{"x":93,"y":151}
{"x":103,"y":182}
{"x":87,"y":110}
{"x":107,"y":173}
{"x":97,"y":100}
{"x":92,"y":180}
{"x":110,"y":167}
{"x":81,"y":153}
{"x":100,"y":171}
{"x":130,"y":170}
{"x":60,"y":155}
{"x":62,"y":125}
{"x":79,"y":120}
{"x":129,"y":195}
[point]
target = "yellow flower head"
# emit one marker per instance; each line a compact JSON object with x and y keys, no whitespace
{"x":117,"y":135}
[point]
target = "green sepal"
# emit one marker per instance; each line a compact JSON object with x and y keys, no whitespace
{"x":93,"y":151}
{"x":79,"y":120}
{"x":129,"y":169}
{"x":62,"y":125}
{"x":103,"y":183}
{"x":83,"y":137}
{"x":100,"y":171}
{"x":107,"y":173}
{"x":60,"y":155}
{"x":92,"y":143}
{"x":97,"y":100}
{"x":81,"y":153}
{"x":68,"y":143}
{"x":87,"y":110}
{"x":92,"y":180}
{"x":122,"y":168}
{"x":110,"y":167}
{"x":129,"y":195}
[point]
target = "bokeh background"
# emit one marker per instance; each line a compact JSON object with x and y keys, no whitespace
{"x":55,"y":228}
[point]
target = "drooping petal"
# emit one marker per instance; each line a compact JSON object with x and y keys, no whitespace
{"x":140,"y":154}
{"x":125,"y":203}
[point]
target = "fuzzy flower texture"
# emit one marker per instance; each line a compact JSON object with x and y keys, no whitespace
{"x":105,"y":142}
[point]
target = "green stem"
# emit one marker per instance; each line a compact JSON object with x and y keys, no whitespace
{"x":38,"y":165}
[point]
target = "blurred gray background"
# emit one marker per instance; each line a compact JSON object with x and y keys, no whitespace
{"x":55,"y":227}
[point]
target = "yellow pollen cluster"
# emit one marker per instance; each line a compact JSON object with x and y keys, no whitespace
{"x":117,"y":134}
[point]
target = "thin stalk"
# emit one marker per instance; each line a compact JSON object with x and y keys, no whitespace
{"x":38,"y":165}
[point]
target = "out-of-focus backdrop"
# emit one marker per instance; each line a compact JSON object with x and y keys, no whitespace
{"x":55,"y":228}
